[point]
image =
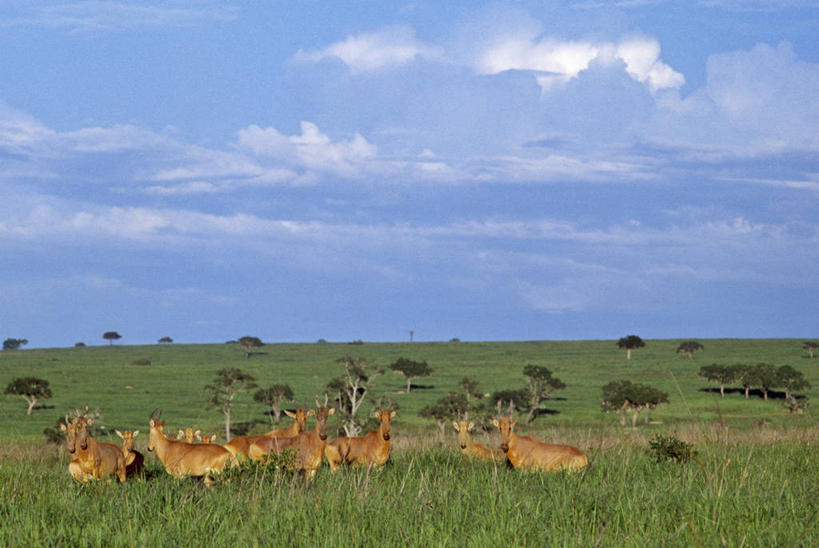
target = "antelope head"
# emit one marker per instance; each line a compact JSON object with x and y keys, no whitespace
{"x":322,"y":414}
{"x":462,"y":428}
{"x":155,"y":429}
{"x":384,"y":416}
{"x":505,"y":423}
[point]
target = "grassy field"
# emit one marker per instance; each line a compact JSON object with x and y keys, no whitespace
{"x":750,"y":485}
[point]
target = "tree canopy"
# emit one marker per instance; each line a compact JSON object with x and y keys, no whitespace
{"x":30,"y":389}
{"x":630,"y":342}
{"x":224,"y":388}
{"x":811,"y":347}
{"x":165,"y":340}
{"x":448,"y":407}
{"x":111,"y":336}
{"x":623,"y":395}
{"x":273,"y":397}
{"x":540,"y":385}
{"x":720,"y":374}
{"x":791,"y":380}
{"x":351,"y":389}
{"x":249,"y":343}
{"x":14,"y":344}
{"x":410,"y":369}
{"x":689,"y":347}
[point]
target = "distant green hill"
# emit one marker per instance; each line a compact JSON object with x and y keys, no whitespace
{"x":107,"y":377}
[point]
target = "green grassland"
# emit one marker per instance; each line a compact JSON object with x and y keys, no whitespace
{"x":749,"y":486}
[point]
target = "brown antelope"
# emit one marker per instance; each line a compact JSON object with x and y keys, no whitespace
{"x":91,"y":459}
{"x":309,"y":446}
{"x":241,"y":445}
{"x":532,"y":454}
{"x":471,"y":449}
{"x":188,"y":434}
{"x":134,"y":460}
{"x":187,"y":459}
{"x":371,"y":449}
{"x":205,"y":438}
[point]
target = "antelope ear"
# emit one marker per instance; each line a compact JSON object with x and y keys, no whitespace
{"x":455,"y":426}
{"x":213,"y":438}
{"x":118,"y":433}
{"x":470,"y":425}
{"x":63,"y":427}
{"x":496,"y":423}
{"x":376,"y":414}
{"x":136,"y":433}
{"x":331,"y":411}
{"x":289,"y":413}
{"x":514,"y":421}
{"x":198,"y":433}
{"x":162,"y":424}
{"x":310,"y":413}
{"x":392,"y":415}
{"x":89,"y":421}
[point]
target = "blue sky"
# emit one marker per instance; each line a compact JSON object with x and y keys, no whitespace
{"x":206,"y":170}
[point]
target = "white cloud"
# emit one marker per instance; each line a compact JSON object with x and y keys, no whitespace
{"x":555,"y":62}
{"x":366,"y":52}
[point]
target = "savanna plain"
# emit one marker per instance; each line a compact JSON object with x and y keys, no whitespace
{"x":753,"y":482}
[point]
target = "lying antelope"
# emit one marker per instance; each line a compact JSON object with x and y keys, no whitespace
{"x":309,"y":446}
{"x":532,"y":454}
{"x":205,"y":438}
{"x":187,"y":459}
{"x":471,"y":449}
{"x":91,"y":459}
{"x":134,"y":460}
{"x":188,"y":434}
{"x":241,"y":445}
{"x":371,"y":449}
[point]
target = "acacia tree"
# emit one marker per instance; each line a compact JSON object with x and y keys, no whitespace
{"x":622,"y":396}
{"x":14,"y":344}
{"x":811,"y":347}
{"x":469,"y":386}
{"x":720,"y":374}
{"x":350,"y":389}
{"x":452,"y":406}
{"x":791,"y":380}
{"x":249,"y":343}
{"x":273,"y":397}
{"x":224,"y":388}
{"x":745,"y":377}
{"x":410,"y":369}
{"x":30,"y":389}
{"x":764,"y":375}
{"x":689,"y":347}
{"x":630,"y":342}
{"x":165,"y":340}
{"x":111,"y":336}
{"x":540,"y":384}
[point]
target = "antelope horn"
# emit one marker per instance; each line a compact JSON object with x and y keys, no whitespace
{"x":511,"y":407}
{"x":326,"y":399}
{"x":317,"y":401}
{"x":378,"y":405}
{"x":498,"y":407}
{"x":389,"y":404}
{"x":154,"y":415}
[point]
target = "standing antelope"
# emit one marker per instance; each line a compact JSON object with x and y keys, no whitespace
{"x":205,"y":438}
{"x":309,"y":446}
{"x":371,"y":449}
{"x":531,"y":453}
{"x":240,"y":446}
{"x":91,"y":459}
{"x":471,"y":449}
{"x":134,"y":460}
{"x":188,"y":434}
{"x":187,"y":459}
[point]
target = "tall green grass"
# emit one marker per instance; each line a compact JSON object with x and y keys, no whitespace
{"x":757,"y":492}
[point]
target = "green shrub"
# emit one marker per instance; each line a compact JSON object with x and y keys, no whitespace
{"x":665,"y":448}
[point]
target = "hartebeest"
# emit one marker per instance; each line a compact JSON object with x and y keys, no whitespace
{"x":472,"y":449}
{"x":134,"y":460}
{"x":309,"y":446}
{"x":532,"y":454}
{"x":91,"y":459}
{"x":371,"y":449}
{"x":187,"y":459}
{"x":188,"y":434}
{"x":205,"y":438}
{"x":240,"y":446}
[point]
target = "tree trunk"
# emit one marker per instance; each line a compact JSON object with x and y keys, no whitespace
{"x":765,"y":393}
{"x":634,"y":418}
{"x":31,"y":403}
{"x":409,"y":383}
{"x":530,"y":414}
{"x":628,"y":353}
{"x":747,"y":390}
{"x":227,"y":425}
{"x":722,"y":390}
{"x":622,"y":417}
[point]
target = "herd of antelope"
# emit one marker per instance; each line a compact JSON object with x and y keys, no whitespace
{"x":182,"y":457}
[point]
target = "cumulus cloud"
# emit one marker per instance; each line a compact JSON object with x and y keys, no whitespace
{"x":556,"y":62}
{"x":366,"y":52}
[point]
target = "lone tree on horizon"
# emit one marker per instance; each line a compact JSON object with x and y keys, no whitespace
{"x":14,"y":344}
{"x":630,"y":342}
{"x":689,"y":347}
{"x":229,"y":382}
{"x":111,"y":336}
{"x":411,"y":369}
{"x":249,"y":343}
{"x":31,"y":389}
{"x":165,"y":340}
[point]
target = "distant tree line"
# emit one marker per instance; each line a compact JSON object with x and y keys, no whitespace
{"x":764,"y":376}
